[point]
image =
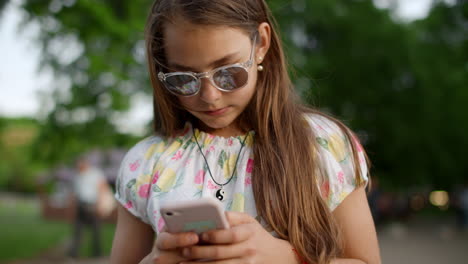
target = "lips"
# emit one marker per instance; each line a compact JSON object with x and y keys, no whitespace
{"x":216,"y":112}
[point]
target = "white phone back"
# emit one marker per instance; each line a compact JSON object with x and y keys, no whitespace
{"x":194,"y":215}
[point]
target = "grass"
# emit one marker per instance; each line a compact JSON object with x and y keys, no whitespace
{"x":24,"y":234}
{"x":107,"y":234}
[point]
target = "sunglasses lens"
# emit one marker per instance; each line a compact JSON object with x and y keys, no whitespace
{"x":231,"y":78}
{"x":183,"y":84}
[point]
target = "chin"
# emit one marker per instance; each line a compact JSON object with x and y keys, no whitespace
{"x":218,"y":123}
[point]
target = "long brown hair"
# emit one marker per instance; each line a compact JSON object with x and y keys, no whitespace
{"x":285,"y":178}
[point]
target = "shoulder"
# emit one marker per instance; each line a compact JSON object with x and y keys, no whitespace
{"x":322,"y":125}
{"x":133,"y":180}
{"x":139,"y":158}
{"x":330,"y":136}
{"x":341,"y":158}
{"x":144,"y":148}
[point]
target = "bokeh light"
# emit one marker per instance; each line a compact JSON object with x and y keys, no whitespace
{"x":439,"y":199}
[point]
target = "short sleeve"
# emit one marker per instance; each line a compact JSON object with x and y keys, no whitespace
{"x":336,"y":161}
{"x":135,"y":174}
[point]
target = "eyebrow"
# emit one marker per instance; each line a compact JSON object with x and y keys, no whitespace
{"x":214,"y":64}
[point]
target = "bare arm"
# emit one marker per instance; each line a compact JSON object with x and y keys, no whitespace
{"x":360,"y":239}
{"x":133,"y":239}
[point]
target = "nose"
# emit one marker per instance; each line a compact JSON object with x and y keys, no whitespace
{"x":208,"y":92}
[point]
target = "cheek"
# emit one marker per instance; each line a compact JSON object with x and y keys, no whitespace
{"x":187,"y":102}
{"x":252,"y":84}
{"x":247,"y":94}
{"x":248,"y":91}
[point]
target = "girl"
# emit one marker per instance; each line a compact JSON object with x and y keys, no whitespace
{"x":228,"y":125}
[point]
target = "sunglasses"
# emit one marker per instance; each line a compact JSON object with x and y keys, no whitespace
{"x":226,"y":78}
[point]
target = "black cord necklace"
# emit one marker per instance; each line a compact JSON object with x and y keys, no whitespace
{"x":220,"y":193}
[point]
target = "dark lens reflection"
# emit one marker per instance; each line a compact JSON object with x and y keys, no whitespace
{"x":182,"y":84}
{"x":230,"y":78}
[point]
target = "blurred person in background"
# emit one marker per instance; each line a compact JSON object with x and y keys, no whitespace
{"x":89,"y":187}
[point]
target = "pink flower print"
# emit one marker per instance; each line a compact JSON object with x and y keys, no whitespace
{"x":134,"y":166}
{"x":161,"y":224}
{"x":211,"y":136}
{"x":143,"y":192}
{"x":319,"y":127}
{"x":128,"y":205}
{"x":211,"y":186}
{"x":155,"y":177}
{"x":200,"y":177}
{"x":250,"y":164}
{"x":211,"y":149}
{"x":341,"y":177}
{"x":248,"y":181}
{"x":230,"y":142}
{"x":187,"y":162}
{"x":325,"y":189}
{"x":178,"y":155}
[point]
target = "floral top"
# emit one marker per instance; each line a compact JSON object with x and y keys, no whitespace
{"x":160,"y":169}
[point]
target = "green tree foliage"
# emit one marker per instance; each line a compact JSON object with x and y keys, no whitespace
{"x":402,"y":87}
{"x":95,"y":49}
{"x":3,"y":3}
{"x":439,"y":60}
{"x":17,"y":169}
{"x":351,"y":60}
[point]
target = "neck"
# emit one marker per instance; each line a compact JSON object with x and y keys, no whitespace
{"x":233,"y":130}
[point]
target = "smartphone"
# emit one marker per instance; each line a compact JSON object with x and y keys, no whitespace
{"x":197,"y":216}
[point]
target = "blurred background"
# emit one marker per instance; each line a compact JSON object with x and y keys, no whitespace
{"x":73,"y":83}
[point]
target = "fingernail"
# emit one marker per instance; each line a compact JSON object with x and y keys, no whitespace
{"x":186,"y":252}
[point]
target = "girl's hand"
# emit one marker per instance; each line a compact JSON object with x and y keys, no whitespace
{"x":168,"y":248}
{"x":245,"y":242}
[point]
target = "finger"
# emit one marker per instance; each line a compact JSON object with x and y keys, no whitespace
{"x":237,"y":218}
{"x":225,"y":261}
{"x":217,"y":252}
{"x":173,"y":256}
{"x":168,"y":241}
{"x":233,"y":235}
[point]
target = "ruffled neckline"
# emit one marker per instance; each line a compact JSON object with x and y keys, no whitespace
{"x":210,"y":139}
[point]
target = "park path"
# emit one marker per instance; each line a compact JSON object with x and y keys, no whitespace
{"x":423,"y":241}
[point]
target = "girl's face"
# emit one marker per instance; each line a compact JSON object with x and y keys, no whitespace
{"x":198,"y":48}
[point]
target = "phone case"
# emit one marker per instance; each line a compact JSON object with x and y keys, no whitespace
{"x":194,"y":215}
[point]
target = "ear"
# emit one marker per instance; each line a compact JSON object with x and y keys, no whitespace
{"x":264,"y":39}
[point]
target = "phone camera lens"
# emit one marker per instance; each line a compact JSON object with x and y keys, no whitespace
{"x":169,"y":214}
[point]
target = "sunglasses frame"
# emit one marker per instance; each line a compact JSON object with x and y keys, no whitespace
{"x":209,"y":74}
